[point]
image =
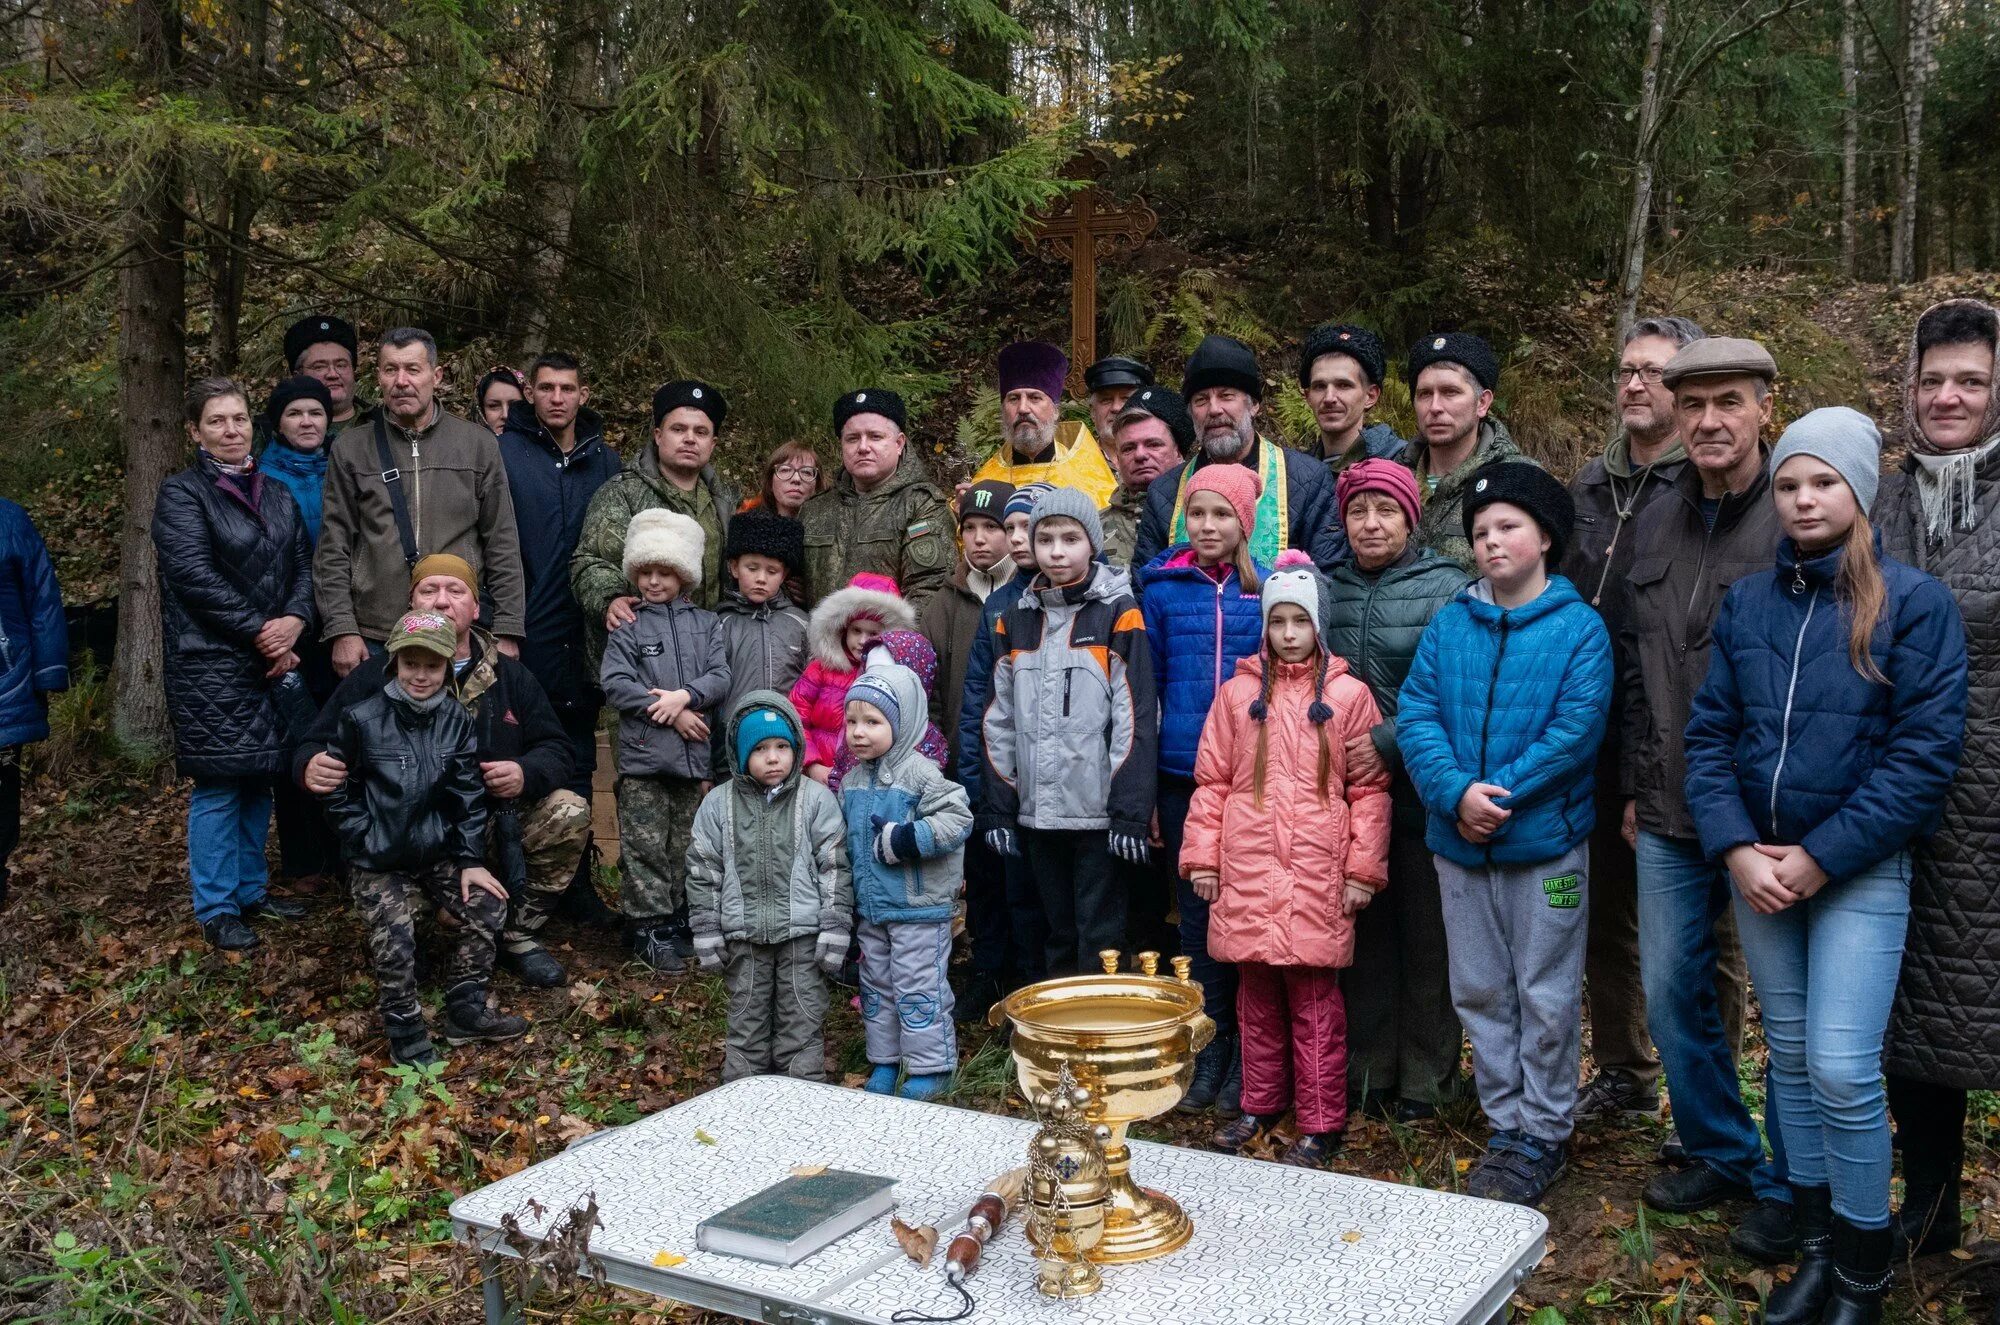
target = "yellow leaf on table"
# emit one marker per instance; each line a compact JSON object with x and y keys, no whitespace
{"x":701,"y":1135}
{"x":1351,"y":1235}
{"x":917,"y":1243}
{"x":667,"y":1260}
{"x":808,"y":1170}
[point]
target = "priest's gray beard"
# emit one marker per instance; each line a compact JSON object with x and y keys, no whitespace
{"x":1231,"y":441}
{"x":1030,"y":436}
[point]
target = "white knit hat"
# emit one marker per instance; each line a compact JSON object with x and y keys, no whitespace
{"x":660,"y":537}
{"x":1297,"y":581}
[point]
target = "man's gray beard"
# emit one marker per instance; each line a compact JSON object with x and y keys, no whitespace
{"x":1031,"y":437}
{"x":1232,"y":445}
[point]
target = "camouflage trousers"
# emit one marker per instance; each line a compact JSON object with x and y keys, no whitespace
{"x":554,"y":832}
{"x":655,"y":820}
{"x":391,"y":901}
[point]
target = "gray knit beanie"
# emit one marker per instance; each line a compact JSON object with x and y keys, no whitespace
{"x":1845,"y":438}
{"x":1071,"y":505}
{"x":872,"y":687}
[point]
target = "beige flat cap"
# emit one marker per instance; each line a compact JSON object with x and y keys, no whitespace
{"x":1720,"y":356}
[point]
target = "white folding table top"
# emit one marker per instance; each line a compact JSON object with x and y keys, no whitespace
{"x":1272,"y":1245}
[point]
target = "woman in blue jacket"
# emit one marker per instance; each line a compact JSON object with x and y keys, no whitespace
{"x":1202,"y":614}
{"x":34,"y":660}
{"x":1820,"y":746}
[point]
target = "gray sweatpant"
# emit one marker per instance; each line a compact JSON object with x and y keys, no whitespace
{"x":906,"y":1004}
{"x":1516,"y":934}
{"x":777,"y":1010}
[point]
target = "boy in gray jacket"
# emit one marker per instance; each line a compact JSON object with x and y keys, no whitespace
{"x":662,"y":671}
{"x":769,"y":894}
{"x":763,"y":632}
{"x":906,"y":829}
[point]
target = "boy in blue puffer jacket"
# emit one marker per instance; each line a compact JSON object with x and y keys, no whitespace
{"x":906,"y":829}
{"x":1500,"y":720}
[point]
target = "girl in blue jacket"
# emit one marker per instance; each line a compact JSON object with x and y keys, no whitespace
{"x":34,"y":659}
{"x":1202,"y":614}
{"x":1499,"y":722}
{"x":1822,"y":743}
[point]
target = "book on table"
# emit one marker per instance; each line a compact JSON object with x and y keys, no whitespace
{"x":790,"y":1220}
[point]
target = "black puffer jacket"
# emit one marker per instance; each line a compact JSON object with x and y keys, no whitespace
{"x":1946,"y":1025}
{"x":511,"y":717}
{"x":233,"y":554}
{"x":413,"y":795}
{"x":1374,"y":622}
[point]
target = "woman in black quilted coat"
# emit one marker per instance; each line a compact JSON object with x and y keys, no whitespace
{"x":235,"y":567}
{"x":1940,"y":512}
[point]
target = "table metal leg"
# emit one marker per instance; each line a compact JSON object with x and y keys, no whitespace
{"x":499,"y":1311}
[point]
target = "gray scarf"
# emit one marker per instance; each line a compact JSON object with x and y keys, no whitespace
{"x":1946,"y":484}
{"x":394,"y":690}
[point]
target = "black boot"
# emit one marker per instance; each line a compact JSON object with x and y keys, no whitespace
{"x":534,"y":967}
{"x":1929,"y":1221}
{"x":1229,"y":1099}
{"x":409,"y":1042}
{"x":229,"y":933}
{"x":1801,"y":1300}
{"x":580,"y":903}
{"x":467,"y":1020}
{"x":1210,"y":1066}
{"x":1860,"y":1275}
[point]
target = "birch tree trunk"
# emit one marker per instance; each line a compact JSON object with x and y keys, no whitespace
{"x":1642,"y":168}
{"x":1916,"y":79}
{"x":1850,"y":136}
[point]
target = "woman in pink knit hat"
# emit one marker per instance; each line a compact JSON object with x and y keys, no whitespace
{"x":1200,"y":601}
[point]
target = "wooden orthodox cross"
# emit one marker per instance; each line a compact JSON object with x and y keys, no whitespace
{"x":1080,"y":226}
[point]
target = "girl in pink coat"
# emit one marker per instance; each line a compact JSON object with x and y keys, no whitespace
{"x":841,"y":630}
{"x":1308,"y":846}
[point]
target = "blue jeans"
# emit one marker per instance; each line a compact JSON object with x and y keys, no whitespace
{"x":1680,"y":895}
{"x":228,"y":822}
{"x":1825,"y":972}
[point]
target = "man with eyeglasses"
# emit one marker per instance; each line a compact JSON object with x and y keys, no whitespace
{"x":1639,"y":465}
{"x":323,"y":346}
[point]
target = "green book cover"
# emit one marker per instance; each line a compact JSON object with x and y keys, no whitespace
{"x":787,"y":1211}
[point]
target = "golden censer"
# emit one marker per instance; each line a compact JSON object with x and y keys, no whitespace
{"x":1130,"y":1041}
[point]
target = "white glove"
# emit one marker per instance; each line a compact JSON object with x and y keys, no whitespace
{"x":831,"y":952}
{"x":708,"y":950}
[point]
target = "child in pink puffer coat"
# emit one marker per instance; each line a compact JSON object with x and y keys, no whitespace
{"x":1307,"y":847}
{"x":839,"y":634}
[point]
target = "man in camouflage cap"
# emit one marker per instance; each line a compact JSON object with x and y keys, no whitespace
{"x":882,"y":514}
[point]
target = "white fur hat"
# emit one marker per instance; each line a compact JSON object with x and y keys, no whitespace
{"x":661,"y":537}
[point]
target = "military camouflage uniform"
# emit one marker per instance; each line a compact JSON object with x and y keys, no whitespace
{"x":554,"y":831}
{"x":1121,"y":524}
{"x":390,"y":902}
{"x":902,"y":529}
{"x":597,"y":568}
{"x":1441,"y":528}
{"x":655,"y":824}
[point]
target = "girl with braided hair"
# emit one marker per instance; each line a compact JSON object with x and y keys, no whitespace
{"x":1308,"y":847}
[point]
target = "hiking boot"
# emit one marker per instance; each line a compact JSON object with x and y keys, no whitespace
{"x":1860,"y":1275}
{"x":925,"y":1086}
{"x":410,"y":1043}
{"x":470,"y":1021}
{"x":229,"y":934}
{"x":1696,"y":1187}
{"x":276,"y":908}
{"x":654,"y":946}
{"x":1520,"y":1174}
{"x":1610,"y":1094}
{"x":1211,"y":1065}
{"x":1769,"y":1234}
{"x":1928,"y":1222}
{"x":1229,"y":1100}
{"x":1244,"y":1130}
{"x":881,"y":1081}
{"x":534,"y":967}
{"x":1313,"y":1149}
{"x":1801,"y":1299}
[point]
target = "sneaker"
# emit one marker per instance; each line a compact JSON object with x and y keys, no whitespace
{"x":1768,"y":1234}
{"x":653,"y":946}
{"x":229,"y":934}
{"x":1496,"y":1145}
{"x":1245,"y":1129}
{"x":276,"y":908}
{"x":882,"y":1081}
{"x":925,"y":1086}
{"x":1211,"y":1065}
{"x":1609,"y":1094}
{"x":680,"y":936}
{"x":472,"y":1022}
{"x":1229,"y":1100}
{"x":1522,"y":1173}
{"x":1696,"y":1187}
{"x":410,"y":1044}
{"x":1313,"y":1150}
{"x":534,"y":967}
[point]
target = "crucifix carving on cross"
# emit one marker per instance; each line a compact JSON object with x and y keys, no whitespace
{"x":1080,"y":226}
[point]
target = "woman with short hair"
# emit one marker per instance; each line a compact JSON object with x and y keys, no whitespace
{"x":792,"y":476}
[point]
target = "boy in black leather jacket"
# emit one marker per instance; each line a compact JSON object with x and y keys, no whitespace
{"x":412,"y":819}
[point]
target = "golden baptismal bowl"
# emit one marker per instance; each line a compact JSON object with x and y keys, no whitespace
{"x":1130,"y":1040}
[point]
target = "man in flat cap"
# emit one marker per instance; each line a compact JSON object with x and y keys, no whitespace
{"x":882,"y":514}
{"x":1152,"y":434}
{"x":674,"y":473}
{"x":408,"y":480}
{"x":1340,"y":370}
{"x":1109,"y":382}
{"x":1716,"y":525}
{"x":1037,"y":445}
{"x":1295,"y":503}
{"x":1452,"y":377}
{"x":323,"y":346}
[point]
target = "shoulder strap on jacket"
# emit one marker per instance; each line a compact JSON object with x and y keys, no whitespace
{"x":392,"y":479}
